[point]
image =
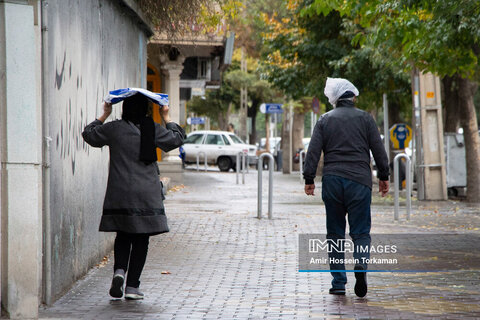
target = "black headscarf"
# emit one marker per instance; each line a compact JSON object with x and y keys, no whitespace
{"x":135,"y":109}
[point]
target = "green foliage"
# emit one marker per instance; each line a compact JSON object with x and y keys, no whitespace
{"x":238,"y":78}
{"x":315,"y":44}
{"x":215,"y":103}
{"x":437,"y":36}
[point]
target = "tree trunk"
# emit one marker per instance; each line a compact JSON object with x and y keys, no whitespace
{"x":252,"y":113}
{"x":253,"y":135}
{"x":468,"y":120}
{"x":285,"y":144}
{"x":394,"y":112}
{"x":393,"y":118}
{"x":222,"y":119}
{"x":451,"y":103}
{"x":267,"y":132}
{"x":298,"y":133}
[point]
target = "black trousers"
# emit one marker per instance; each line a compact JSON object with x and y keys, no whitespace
{"x":130,"y":252}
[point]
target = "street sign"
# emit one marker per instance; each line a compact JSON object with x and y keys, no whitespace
{"x":400,"y":135}
{"x":271,"y":108}
{"x":315,"y":105}
{"x":198,"y":120}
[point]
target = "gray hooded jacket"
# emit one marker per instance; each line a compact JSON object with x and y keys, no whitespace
{"x":346,"y":135}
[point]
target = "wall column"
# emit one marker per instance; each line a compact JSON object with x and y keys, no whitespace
{"x":20,"y":150}
{"x":171,"y":164}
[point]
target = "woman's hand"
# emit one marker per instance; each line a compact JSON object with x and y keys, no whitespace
{"x":164,"y":114}
{"x":107,"y":110}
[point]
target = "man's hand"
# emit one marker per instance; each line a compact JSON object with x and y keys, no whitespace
{"x":309,"y":189}
{"x":107,"y":110}
{"x":383,"y":187}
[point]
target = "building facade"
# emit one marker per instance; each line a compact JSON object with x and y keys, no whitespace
{"x":184,"y":68}
{"x":58,"y":59}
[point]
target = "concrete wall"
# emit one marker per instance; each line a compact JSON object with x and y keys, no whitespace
{"x":90,"y":47}
{"x":20,"y":149}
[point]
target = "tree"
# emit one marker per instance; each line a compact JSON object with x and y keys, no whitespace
{"x":248,"y":27}
{"x":259,"y":91}
{"x":177,"y":17}
{"x":437,"y":36}
{"x":216,"y":104}
{"x":303,"y":50}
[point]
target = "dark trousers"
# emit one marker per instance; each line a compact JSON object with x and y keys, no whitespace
{"x":342,"y":196}
{"x":130,"y":252}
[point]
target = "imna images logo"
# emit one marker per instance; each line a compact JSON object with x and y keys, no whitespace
{"x":346,"y":246}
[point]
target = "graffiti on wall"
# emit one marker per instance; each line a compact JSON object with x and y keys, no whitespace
{"x":72,"y":101}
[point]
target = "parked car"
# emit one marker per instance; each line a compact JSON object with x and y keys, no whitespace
{"x":221,"y":148}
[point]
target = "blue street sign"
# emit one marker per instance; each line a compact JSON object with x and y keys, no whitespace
{"x":199,"y":120}
{"x":271,"y":108}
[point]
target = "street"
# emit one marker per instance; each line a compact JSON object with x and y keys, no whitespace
{"x":220,"y":262}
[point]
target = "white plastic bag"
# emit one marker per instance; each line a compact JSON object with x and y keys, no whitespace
{"x":336,"y":87}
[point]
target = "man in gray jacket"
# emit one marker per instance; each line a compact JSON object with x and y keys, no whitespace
{"x":346,"y":135}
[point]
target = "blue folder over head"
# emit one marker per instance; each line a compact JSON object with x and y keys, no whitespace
{"x":118,"y":95}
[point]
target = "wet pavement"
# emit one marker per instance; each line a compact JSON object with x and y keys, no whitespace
{"x":220,"y":262}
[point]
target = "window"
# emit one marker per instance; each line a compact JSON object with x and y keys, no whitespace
{"x":185,"y":94}
{"x":214,"y":139}
{"x":194,"y":139}
{"x":204,"y":69}
{"x":236,"y":139}
{"x":225,"y":139}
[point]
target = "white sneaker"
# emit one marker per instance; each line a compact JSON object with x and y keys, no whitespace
{"x":132,"y":293}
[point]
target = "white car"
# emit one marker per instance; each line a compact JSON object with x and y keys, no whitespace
{"x":221,"y":148}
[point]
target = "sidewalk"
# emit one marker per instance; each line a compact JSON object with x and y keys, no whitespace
{"x":220,"y":262}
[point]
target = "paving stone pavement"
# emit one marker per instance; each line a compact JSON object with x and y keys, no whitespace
{"x":224,"y":263}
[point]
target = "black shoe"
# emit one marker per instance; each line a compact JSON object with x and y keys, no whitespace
{"x":361,"y":283}
{"x":338,"y":292}
{"x":116,"y":290}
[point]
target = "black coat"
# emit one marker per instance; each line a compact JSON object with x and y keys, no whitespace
{"x":133,"y":200}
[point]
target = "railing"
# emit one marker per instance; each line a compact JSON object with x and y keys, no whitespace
{"x":270,"y":185}
{"x":396,"y":182}
{"x":242,"y":155}
{"x":301,"y":156}
{"x":198,"y":160}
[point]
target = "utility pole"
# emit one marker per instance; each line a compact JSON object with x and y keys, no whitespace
{"x":243,"y":102}
{"x":386,"y":131}
{"x":430,"y":155}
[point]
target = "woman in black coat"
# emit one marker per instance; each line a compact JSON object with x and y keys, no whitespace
{"x":133,"y":205}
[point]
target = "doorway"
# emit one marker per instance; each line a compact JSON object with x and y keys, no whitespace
{"x":154,"y":84}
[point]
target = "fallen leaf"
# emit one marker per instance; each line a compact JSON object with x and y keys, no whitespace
{"x":166,"y":272}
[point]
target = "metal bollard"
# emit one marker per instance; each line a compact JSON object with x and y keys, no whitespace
{"x":300,"y":159}
{"x":198,"y":159}
{"x":243,"y":167}
{"x":396,"y":182}
{"x":270,"y":185}
{"x":242,"y":155}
